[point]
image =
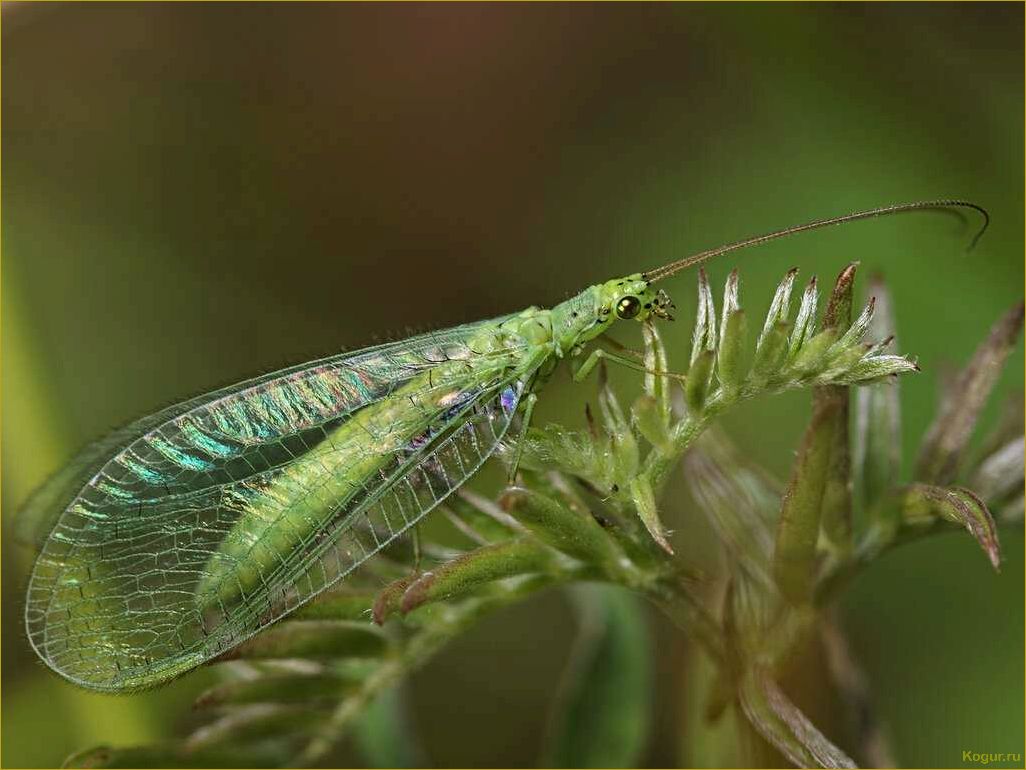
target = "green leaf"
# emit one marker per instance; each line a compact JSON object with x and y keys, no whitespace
{"x":967,"y":509}
{"x":602,"y":717}
{"x":277,"y":688}
{"x":854,"y":334}
{"x":801,"y":507}
{"x":731,"y":307}
{"x":946,"y":440}
{"x":703,"y":337}
{"x":838,"y":312}
{"x":921,"y":503}
{"x":836,"y":362}
{"x":173,"y":755}
{"x":780,"y":307}
{"x":696,"y":387}
{"x":875,"y":368}
{"x":805,"y":321}
{"x":479,"y":567}
{"x":781,"y":723}
{"x":317,"y":639}
{"x":644,"y":500}
{"x":770,"y":352}
{"x":575,"y":533}
{"x":730,"y":361}
{"x":575,"y":452}
{"x":811,"y":360}
{"x":623,"y":454}
{"x":650,"y":419}
{"x":383,"y":734}
{"x":247,"y":725}
{"x":655,"y":360}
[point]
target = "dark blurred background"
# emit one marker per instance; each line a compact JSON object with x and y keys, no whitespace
{"x":198,"y":193}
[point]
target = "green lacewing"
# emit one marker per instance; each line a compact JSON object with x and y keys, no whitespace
{"x":183,"y":534}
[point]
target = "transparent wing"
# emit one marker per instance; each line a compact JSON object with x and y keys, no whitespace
{"x":236,"y":431}
{"x":145,"y":576}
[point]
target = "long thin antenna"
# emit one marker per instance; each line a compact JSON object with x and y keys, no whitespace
{"x":702,"y":256}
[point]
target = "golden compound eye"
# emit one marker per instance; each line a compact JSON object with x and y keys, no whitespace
{"x":628,"y":307}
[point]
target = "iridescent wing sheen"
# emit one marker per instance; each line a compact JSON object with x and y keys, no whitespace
{"x":230,"y":430}
{"x":218,"y":516}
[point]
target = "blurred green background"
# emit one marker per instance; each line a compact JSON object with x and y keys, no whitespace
{"x":193,"y":194}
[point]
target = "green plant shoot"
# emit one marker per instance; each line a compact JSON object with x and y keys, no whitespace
{"x":180,"y":536}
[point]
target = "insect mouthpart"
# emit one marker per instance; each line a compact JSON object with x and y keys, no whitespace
{"x":662,"y":305}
